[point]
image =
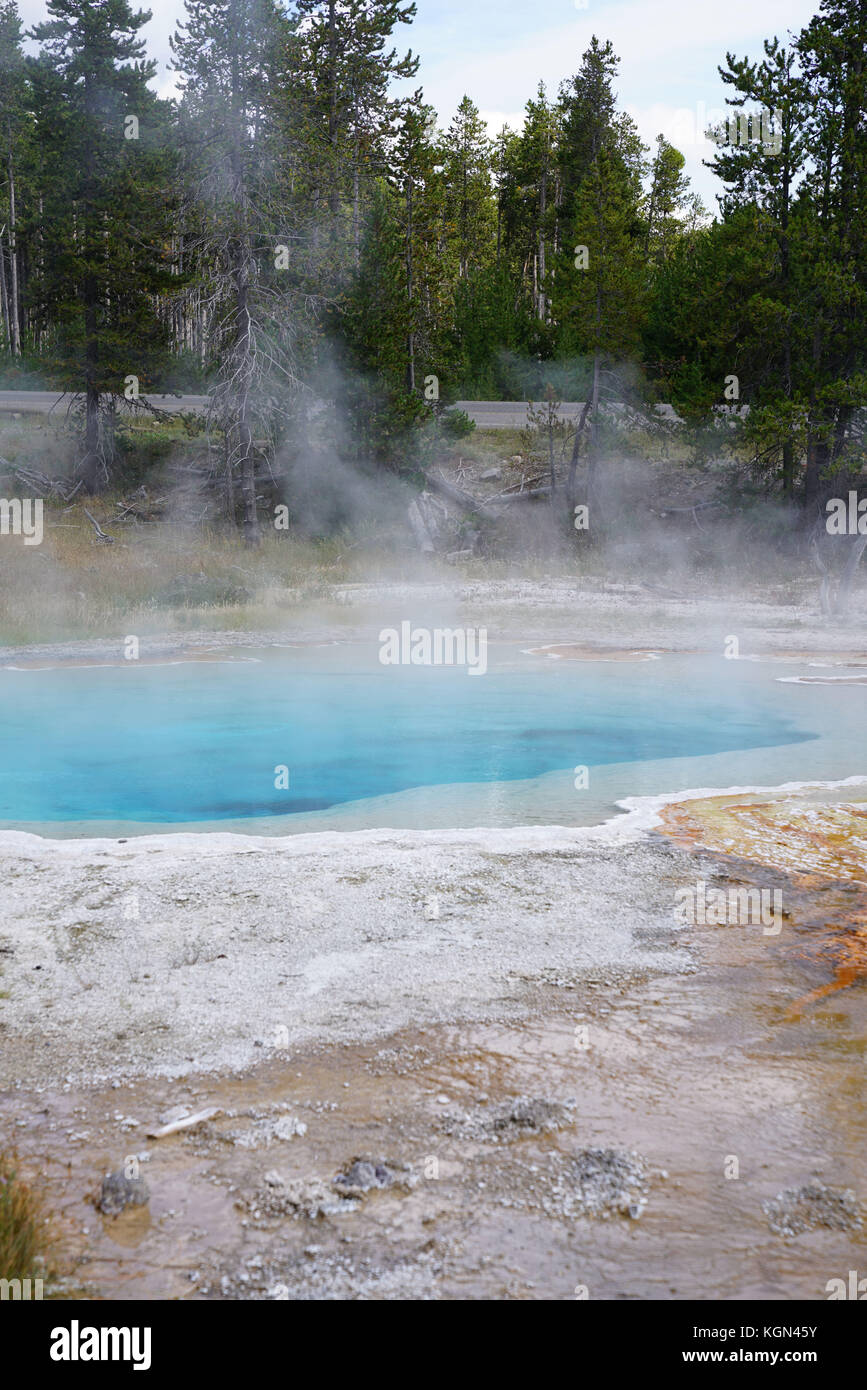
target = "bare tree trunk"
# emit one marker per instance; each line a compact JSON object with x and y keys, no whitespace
{"x":14,"y":311}
{"x":410,"y":338}
{"x":230,"y":477}
{"x":541,"y":306}
{"x":4,"y":299}
{"x":788,"y":469}
{"x":419,"y":528}
{"x":573,"y":461}
{"x":552,"y":416}
{"x":817,"y":458}
{"x":593,"y":458}
{"x":242,"y":364}
{"x":93,"y":465}
{"x":847,"y":578}
{"x":333,"y":197}
{"x":356,"y":209}
{"x":244,"y":377}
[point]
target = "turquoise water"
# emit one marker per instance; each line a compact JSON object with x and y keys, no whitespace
{"x":199,"y":743}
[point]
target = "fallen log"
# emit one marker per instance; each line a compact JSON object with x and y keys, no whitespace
{"x":459,"y":498}
{"x":696,"y":507}
{"x":188,"y":1122}
{"x":526,"y":496}
{"x":100,"y":534}
{"x":422,"y":535}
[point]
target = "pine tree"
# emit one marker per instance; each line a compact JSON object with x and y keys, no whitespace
{"x":765,"y":171}
{"x":467,"y":233}
{"x":415,"y":179}
{"x":833,"y":52}
{"x":349,"y":71}
{"x":469,"y":204}
{"x":669,"y":202}
{"x":14,"y":129}
{"x":601,"y":295}
{"x":105,"y":225}
{"x":809,"y":181}
{"x":591,"y":124}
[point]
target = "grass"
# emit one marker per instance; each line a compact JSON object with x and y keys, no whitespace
{"x":24,"y":1237}
{"x":156,"y":578}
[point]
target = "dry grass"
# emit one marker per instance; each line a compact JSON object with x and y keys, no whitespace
{"x":24,"y":1238}
{"x":157,"y":578}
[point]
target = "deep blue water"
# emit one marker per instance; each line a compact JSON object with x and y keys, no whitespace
{"x":200,"y":742}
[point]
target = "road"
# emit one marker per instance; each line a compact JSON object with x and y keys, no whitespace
{"x":488,"y":415}
{"x":53,"y":402}
{"x":512,"y":415}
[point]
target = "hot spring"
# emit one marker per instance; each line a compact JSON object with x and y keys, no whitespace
{"x":283,"y":740}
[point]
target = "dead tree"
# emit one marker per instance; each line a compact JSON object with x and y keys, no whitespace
{"x":100,"y":534}
{"x":835,"y":591}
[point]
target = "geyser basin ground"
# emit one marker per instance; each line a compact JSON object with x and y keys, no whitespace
{"x":272,"y":957}
{"x":93,"y":749}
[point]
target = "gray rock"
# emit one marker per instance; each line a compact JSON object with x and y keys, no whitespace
{"x":119,"y":1191}
{"x":362,"y":1175}
{"x":607,"y":1182}
{"x":529,"y":1113}
{"x":810,"y":1207}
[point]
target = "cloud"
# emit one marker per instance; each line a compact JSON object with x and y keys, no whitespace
{"x":495,"y":120}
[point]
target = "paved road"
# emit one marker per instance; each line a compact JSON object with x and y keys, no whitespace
{"x":53,"y":402}
{"x":512,"y":415}
{"x":488,"y":415}
{"x":509,"y":415}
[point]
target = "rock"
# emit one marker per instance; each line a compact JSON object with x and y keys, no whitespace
{"x":527,"y":1112}
{"x":288,"y":1126}
{"x":808,"y":1208}
{"x":310,"y":1197}
{"x":608,"y":1182}
{"x":362,"y":1175}
{"x":510,"y":1119}
{"x":119,"y":1191}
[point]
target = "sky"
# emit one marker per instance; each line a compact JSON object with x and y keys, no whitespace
{"x":497,"y":52}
